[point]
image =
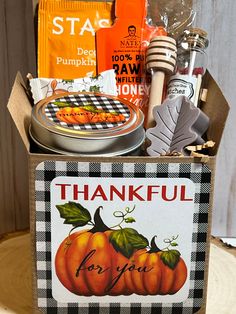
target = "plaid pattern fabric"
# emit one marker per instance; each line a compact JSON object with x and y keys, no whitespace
{"x":100,"y":102}
{"x":47,"y":171}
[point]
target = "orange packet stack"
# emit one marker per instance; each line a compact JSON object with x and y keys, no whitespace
{"x":122,"y":47}
{"x":66,"y":37}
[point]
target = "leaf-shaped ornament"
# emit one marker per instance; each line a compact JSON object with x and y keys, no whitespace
{"x":74,"y":214}
{"x":178,"y":124}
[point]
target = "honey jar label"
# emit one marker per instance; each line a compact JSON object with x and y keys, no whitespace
{"x":124,"y":233}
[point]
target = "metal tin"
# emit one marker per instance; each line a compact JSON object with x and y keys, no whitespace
{"x":102,"y":138}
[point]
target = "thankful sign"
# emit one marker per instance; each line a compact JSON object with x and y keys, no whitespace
{"x":125,"y":239}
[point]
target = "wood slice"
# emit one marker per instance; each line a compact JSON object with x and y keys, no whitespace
{"x":16,"y":288}
{"x":222,"y":279}
{"x":15,"y":275}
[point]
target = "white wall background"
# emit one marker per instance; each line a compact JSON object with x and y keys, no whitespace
{"x":219,"y":19}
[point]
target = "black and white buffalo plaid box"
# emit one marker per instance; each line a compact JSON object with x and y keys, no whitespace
{"x":120,"y":235}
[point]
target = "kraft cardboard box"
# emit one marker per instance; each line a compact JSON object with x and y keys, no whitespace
{"x":141,"y":244}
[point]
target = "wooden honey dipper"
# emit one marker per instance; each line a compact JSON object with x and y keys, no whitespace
{"x":160,"y":60}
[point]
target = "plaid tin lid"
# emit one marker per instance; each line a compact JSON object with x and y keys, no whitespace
{"x":87,"y":124}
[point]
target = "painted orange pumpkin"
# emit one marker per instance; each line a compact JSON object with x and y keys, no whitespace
{"x":160,"y":278}
{"x":79,"y":115}
{"x":87,"y":263}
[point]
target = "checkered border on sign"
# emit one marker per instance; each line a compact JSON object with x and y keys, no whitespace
{"x":100,"y":102}
{"x":47,"y":171}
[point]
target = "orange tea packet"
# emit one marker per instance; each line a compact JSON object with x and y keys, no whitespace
{"x":122,"y":47}
{"x":66,"y":37}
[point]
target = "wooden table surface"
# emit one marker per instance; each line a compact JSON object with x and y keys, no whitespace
{"x":16,"y":289}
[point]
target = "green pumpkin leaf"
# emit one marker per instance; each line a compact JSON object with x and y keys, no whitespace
{"x":127,"y":240}
{"x":63,"y":104}
{"x":129,"y":220}
{"x":170,"y":258}
{"x":94,"y":88}
{"x":114,"y":113}
{"x":67,"y":81}
{"x":92,"y":108}
{"x":174,"y":244}
{"x":74,"y":214}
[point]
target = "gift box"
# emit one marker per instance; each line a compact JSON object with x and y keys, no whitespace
{"x":120,"y":234}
